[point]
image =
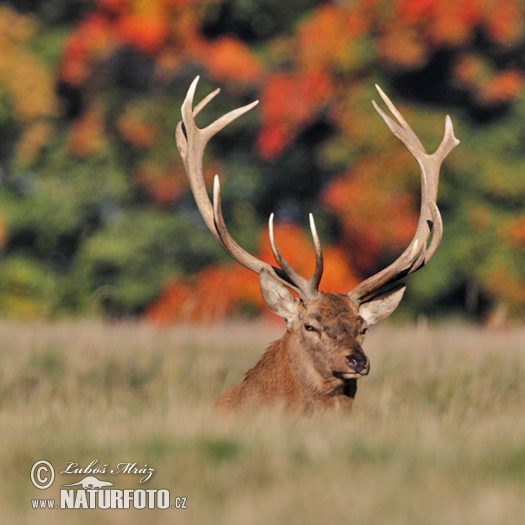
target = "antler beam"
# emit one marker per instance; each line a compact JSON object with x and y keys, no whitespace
{"x":191,"y":142}
{"x":417,"y":254}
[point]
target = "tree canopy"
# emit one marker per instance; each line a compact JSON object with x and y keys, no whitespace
{"x":95,"y":210}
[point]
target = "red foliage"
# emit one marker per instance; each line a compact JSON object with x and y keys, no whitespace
{"x":167,"y":30}
{"x":288,"y":103}
{"x":272,"y":140}
{"x":410,"y":12}
{"x":92,"y":40}
{"x":451,"y":22}
{"x":325,"y":65}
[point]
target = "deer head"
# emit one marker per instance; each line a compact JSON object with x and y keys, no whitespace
{"x":328,"y":328}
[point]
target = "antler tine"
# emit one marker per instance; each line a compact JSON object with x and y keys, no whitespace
{"x":197,"y":109}
{"x":301,"y":284}
{"x":417,"y":254}
{"x":437,"y":232}
{"x":226,"y":240}
{"x":191,"y":142}
{"x":308,"y":290}
{"x":319,"y":263}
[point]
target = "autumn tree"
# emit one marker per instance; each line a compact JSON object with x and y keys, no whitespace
{"x":436,"y":57}
{"x":108,"y":222}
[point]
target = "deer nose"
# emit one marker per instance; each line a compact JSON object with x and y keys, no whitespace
{"x":358,"y":363}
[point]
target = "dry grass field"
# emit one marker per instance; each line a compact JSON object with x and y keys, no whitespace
{"x":437,"y":434}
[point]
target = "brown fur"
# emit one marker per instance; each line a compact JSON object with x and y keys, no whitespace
{"x":303,"y":370}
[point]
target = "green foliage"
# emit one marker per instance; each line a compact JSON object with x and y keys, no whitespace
{"x":93,"y":196}
{"x":125,"y":264}
{"x":26,"y":288}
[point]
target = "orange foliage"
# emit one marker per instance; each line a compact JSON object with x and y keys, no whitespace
{"x":146,"y":32}
{"x":479,"y":219}
{"x":504,"y":21}
{"x":375,"y":216}
{"x":402,"y":46}
{"x":86,"y":135}
{"x":2,"y":233}
{"x":442,"y":21}
{"x":167,"y":30}
{"x":162,"y":185}
{"x":514,"y":232}
{"x":26,"y":83}
{"x":325,"y":65}
{"x":502,"y":88}
{"x":455,"y":22}
{"x":149,"y":25}
{"x":469,"y":71}
{"x":213,"y":293}
{"x":410,"y":12}
{"x":220,"y":291}
{"x":229,"y":59}
{"x":506,"y":286}
{"x":146,"y":26}
{"x":451,"y":22}
{"x":488,"y":87}
{"x":327,"y":39}
{"x":133,"y":130}
{"x":331,"y":42}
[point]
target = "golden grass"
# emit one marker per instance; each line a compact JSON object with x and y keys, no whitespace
{"x":437,"y":434}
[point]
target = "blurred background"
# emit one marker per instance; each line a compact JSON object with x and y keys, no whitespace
{"x":96,"y":217}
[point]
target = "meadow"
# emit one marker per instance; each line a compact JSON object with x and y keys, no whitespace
{"x":437,"y":433}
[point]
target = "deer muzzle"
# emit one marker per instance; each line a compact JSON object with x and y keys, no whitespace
{"x":358,"y":365}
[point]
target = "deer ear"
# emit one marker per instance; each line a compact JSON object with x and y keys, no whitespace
{"x":382,"y":305}
{"x":276,"y":296}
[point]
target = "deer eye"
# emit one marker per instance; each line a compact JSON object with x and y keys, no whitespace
{"x":310,"y":328}
{"x":363,"y":331}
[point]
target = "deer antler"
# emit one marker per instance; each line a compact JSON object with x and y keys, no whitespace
{"x":191,"y":142}
{"x":417,"y":253}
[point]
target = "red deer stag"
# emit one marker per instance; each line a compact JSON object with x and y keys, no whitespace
{"x":316,"y":364}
